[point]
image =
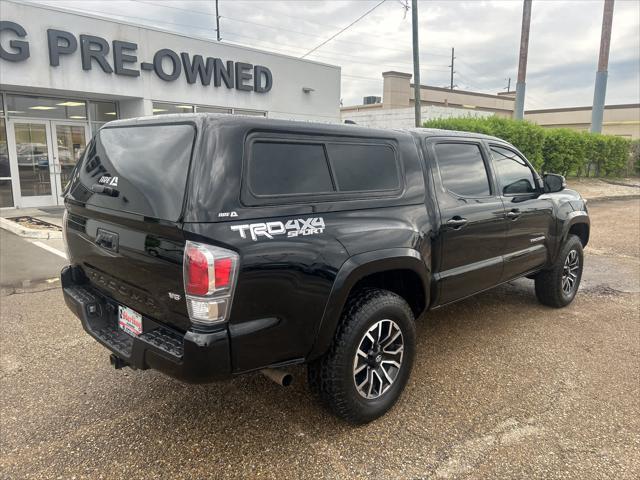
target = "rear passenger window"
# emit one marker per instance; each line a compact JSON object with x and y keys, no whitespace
{"x":462,"y":169}
{"x":279,"y":168}
{"x":363,"y":167}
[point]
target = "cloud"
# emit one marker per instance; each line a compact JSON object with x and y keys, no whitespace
{"x":564,"y":42}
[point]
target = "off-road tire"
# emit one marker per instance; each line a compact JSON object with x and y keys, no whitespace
{"x":331,"y":377}
{"x":549,"y":282}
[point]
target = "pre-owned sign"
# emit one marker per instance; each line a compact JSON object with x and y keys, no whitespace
{"x":167,"y":64}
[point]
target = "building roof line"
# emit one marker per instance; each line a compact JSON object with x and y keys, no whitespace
{"x":576,"y":109}
{"x":465,"y":92}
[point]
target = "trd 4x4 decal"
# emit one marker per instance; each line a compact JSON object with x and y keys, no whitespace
{"x":290,"y":228}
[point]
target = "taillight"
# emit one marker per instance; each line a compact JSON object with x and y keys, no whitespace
{"x":209,"y":281}
{"x":223,"y":268}
{"x":197,"y":267}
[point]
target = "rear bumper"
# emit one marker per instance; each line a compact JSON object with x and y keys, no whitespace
{"x":194,"y":357}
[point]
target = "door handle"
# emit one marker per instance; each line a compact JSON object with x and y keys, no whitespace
{"x":513,"y":214}
{"x":457,"y":222}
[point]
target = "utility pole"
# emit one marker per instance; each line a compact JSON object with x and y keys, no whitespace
{"x":518,"y":112}
{"x":217,"y":22}
{"x":509,"y":85}
{"x":600,"y":91}
{"x":452,"y":71}
{"x":416,"y":62}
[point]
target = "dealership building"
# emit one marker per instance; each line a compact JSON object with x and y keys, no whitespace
{"x":64,"y":74}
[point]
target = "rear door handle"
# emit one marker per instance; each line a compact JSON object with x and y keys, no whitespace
{"x":457,"y":222}
{"x":513,"y":214}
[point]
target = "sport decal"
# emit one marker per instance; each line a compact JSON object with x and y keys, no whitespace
{"x":290,"y":228}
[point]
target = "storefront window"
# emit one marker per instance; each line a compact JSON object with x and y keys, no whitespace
{"x":95,"y":126}
{"x":164,"y":108}
{"x":42,"y":107}
{"x":102,"y":111}
{"x":6,"y":193}
{"x":253,"y":113}
{"x":5,"y":170}
{"x":203,"y":109}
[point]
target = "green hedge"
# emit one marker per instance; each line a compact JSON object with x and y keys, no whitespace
{"x":634,"y":161}
{"x":557,"y":150}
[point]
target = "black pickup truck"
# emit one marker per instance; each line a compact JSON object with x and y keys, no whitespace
{"x":207,"y":246}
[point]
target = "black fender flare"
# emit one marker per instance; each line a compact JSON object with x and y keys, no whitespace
{"x":573,"y":218}
{"x":356,"y":268}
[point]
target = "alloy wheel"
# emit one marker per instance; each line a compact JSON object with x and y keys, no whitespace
{"x":570,"y":272}
{"x":378,"y":359}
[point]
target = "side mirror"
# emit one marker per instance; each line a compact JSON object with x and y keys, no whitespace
{"x":554,"y":183}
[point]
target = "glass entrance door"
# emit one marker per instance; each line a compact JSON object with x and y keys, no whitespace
{"x":44,"y":153}
{"x":30,"y":146}
{"x":69,"y":142}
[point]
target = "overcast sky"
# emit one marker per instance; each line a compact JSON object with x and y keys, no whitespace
{"x":563,"y":48}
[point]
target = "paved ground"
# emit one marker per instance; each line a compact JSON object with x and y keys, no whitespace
{"x":28,"y":261}
{"x":502,"y":388}
{"x":24,"y":262}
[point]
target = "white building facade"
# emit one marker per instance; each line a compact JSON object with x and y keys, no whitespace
{"x":405,"y":117}
{"x":64,"y":74}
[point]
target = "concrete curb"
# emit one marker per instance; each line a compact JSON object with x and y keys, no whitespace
{"x":622,"y":184}
{"x":613,"y":198}
{"x":21,"y":231}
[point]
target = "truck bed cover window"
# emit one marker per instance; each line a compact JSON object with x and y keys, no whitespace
{"x":363,"y":167}
{"x":322,"y":169}
{"x":141,"y":169}
{"x":283,"y":168}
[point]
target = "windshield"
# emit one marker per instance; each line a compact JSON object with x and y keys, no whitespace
{"x":141,"y":170}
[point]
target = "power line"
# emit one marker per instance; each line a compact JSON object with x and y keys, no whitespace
{"x":272,"y":27}
{"x":338,"y":55}
{"x":372,"y":79}
{"x":317,"y":35}
{"x":345,"y":28}
{"x":289,"y":16}
{"x":258,"y":24}
{"x":236,"y":1}
{"x":163,"y":5}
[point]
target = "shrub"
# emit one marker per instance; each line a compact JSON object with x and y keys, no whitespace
{"x":525,"y":136}
{"x":557,"y":150}
{"x":618,"y":155}
{"x":563,"y":151}
{"x":634,"y":158}
{"x":607,"y":155}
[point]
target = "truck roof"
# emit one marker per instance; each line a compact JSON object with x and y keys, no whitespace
{"x":320,"y":127}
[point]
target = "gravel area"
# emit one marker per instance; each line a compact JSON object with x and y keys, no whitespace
{"x":502,"y":388}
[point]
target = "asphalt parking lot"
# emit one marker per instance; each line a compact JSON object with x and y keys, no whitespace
{"x":502,"y":388}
